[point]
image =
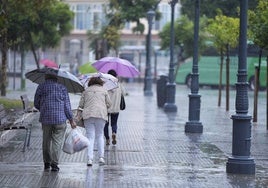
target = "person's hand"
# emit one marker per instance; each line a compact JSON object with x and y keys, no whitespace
{"x":73,"y":124}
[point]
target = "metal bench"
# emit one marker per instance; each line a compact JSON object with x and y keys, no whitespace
{"x":27,"y":108}
{"x":22,"y":123}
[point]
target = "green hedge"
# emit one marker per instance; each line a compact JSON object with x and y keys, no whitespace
{"x":11,"y":103}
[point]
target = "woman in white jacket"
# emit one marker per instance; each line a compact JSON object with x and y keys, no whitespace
{"x":113,"y":110}
{"x":95,"y":102}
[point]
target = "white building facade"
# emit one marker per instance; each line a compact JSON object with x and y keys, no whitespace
{"x":90,"y":15}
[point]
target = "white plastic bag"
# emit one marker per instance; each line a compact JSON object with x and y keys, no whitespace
{"x":75,"y":141}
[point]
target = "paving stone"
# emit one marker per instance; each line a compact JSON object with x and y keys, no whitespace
{"x":152,"y":150}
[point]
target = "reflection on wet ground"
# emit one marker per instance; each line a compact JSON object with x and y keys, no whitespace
{"x":152,"y":151}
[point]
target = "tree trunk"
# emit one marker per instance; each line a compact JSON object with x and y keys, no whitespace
{"x":180,"y":59}
{"x":4,"y":63}
{"x":23,"y":82}
{"x":266,"y":92}
{"x":34,"y":53}
{"x":220,"y":79}
{"x":14,"y":68}
{"x":256,"y":89}
{"x":36,"y":58}
{"x":227,"y":77}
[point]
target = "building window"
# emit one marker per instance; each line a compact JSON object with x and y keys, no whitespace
{"x":165,"y":10}
{"x":96,"y":21}
{"x":127,"y":25}
{"x":88,"y":16}
{"x":130,"y":43}
{"x":156,"y":25}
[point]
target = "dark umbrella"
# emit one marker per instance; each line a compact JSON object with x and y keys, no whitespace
{"x":65,"y":78}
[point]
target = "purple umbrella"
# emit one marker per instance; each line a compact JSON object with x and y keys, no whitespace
{"x":122,"y":67}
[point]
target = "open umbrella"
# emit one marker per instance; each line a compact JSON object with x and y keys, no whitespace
{"x":71,"y":82}
{"x":110,"y":82}
{"x":49,"y":63}
{"x":122,"y":66}
{"x":87,"y":68}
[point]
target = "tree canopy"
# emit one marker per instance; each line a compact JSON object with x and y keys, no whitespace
{"x":258,"y":24}
{"x":209,"y":7}
{"x":42,"y":26}
{"x":118,"y":14}
{"x":29,"y":25}
{"x":223,"y":31}
{"x":184,"y":32}
{"x":123,"y":11}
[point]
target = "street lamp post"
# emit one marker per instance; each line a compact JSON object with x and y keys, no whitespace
{"x":240,"y":162}
{"x":155,"y":65}
{"x":170,"y":105}
{"x":194,"y":125}
{"x":148,"y":73}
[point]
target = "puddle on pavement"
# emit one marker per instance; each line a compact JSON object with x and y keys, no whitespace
{"x":10,"y":146}
{"x":214,"y":153}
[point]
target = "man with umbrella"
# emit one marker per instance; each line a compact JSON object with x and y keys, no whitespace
{"x":52,"y":100}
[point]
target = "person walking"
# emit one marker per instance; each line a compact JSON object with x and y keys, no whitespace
{"x":94,"y":104}
{"x":52,"y":101}
{"x":115,"y":95}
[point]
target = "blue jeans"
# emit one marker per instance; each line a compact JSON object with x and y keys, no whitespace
{"x":113,"y":117}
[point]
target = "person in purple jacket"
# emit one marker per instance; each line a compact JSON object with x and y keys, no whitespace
{"x":52,"y":101}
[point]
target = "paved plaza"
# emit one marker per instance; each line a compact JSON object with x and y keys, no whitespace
{"x":153,"y":149}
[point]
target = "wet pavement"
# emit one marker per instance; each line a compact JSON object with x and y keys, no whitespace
{"x":152,"y":150}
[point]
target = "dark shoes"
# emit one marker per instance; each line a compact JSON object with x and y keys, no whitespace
{"x":54,"y":167}
{"x":113,"y":138}
{"x":46,"y":166}
{"x":89,"y":162}
{"x":107,"y":142}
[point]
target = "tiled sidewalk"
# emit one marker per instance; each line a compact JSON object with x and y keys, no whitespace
{"x":152,"y":151}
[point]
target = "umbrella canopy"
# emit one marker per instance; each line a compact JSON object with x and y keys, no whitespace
{"x":65,"y":78}
{"x":122,"y":67}
{"x":87,"y":68}
{"x":49,"y":63}
{"x":110,"y":82}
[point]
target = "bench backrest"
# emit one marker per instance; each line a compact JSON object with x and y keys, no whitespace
{"x":25,"y":103}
